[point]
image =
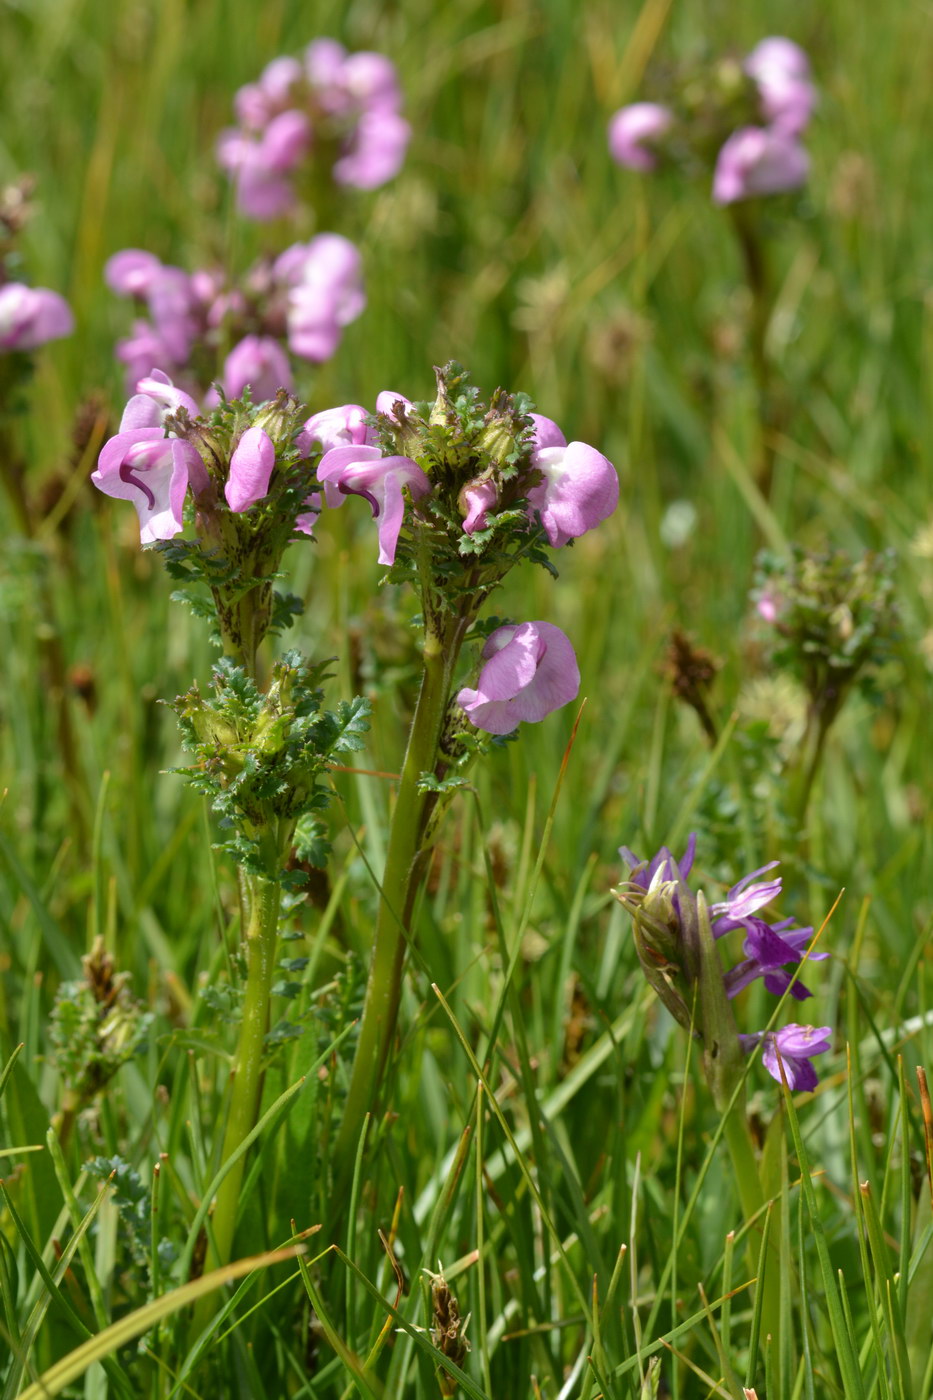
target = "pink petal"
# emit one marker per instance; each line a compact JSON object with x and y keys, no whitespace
{"x":580,"y":489}
{"x":251,"y":468}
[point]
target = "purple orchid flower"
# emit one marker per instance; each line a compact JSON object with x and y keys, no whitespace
{"x":530,"y":670}
{"x":364,"y":471}
{"x":745,"y":899}
{"x":579,"y":489}
{"x":30,"y":316}
{"x":142,"y":465}
{"x":759,"y":160}
{"x":769,"y":948}
{"x":251,"y":467}
{"x":643,"y":872}
{"x":792,"y":1047}
{"x":635,"y":130}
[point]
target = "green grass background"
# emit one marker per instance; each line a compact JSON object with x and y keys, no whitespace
{"x":512,"y":243}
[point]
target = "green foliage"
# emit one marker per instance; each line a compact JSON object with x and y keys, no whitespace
{"x":510,"y":241}
{"x":262,"y":755}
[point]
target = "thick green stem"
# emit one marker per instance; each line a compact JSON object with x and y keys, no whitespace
{"x":261,"y":936}
{"x":399,"y":886}
{"x":753,"y":1201}
{"x":723,"y":1064}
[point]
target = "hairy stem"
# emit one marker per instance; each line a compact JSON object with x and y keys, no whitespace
{"x":261,"y":937}
{"x":399,"y":887}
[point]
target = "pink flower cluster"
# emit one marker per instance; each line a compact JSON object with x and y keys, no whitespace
{"x":530,"y":667}
{"x":304,"y":297}
{"x":29,"y":316}
{"x":573,"y":487}
{"x":341,"y":110}
{"x":763,"y":156}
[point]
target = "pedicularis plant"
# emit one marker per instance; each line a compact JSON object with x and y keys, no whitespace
{"x":462,"y":490}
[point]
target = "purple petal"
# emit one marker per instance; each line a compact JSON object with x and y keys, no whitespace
{"x":376,"y":152}
{"x":155,"y":398}
{"x":251,"y":468}
{"x":339,"y":460}
{"x":279,"y":77}
{"x":387,"y":401}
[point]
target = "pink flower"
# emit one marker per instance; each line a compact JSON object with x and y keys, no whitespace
{"x":155,"y":398}
{"x":336,"y":427}
{"x":142,"y":465}
{"x":326,"y":293}
{"x":387,"y":401}
{"x":141,"y":349}
{"x":371,"y":81}
{"x":279,"y":78}
{"x":363,"y":471}
{"x":781,"y":72}
{"x":757,"y":161}
{"x":172,"y":305}
{"x":154,"y":472}
{"x":261,"y":165}
{"x":580,"y":487}
{"x":325,"y":61}
{"x":259,"y":362}
{"x":29,"y":316}
{"x":376,"y":151}
{"x":476,"y":498}
{"x":530,"y":670}
{"x":251,"y":468}
{"x":131,"y":272}
{"x":635,"y":130}
{"x":331,"y":262}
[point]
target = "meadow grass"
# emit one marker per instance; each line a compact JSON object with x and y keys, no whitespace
{"x":546,"y":1139}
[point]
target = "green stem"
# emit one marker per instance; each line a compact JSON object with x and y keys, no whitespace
{"x":800,"y":774}
{"x":723,"y":1065}
{"x":752,"y":1198}
{"x":747,"y":226}
{"x":399,"y":887}
{"x":261,"y":937}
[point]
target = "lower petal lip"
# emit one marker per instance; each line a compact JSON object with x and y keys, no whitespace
{"x":127,"y":474}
